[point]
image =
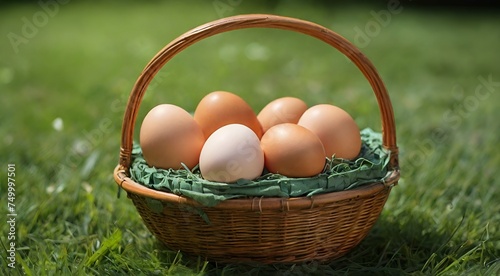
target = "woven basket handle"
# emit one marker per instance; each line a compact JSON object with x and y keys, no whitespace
{"x":258,"y":21}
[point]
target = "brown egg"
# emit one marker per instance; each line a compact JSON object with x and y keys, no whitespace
{"x":336,"y":129}
{"x":222,"y":108}
{"x":282,"y":110}
{"x":293,"y":151}
{"x":169,"y":135}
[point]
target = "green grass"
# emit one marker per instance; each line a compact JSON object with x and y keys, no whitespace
{"x":442,"y":219}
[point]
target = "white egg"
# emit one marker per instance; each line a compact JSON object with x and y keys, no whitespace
{"x":232,"y":152}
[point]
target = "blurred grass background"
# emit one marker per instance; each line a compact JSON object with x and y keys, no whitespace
{"x":66,"y":71}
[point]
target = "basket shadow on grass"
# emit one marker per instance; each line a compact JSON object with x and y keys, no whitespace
{"x":389,"y":247}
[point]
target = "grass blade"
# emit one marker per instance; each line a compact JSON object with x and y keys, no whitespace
{"x":108,"y":245}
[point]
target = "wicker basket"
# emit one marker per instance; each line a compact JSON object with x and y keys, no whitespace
{"x":264,"y":230}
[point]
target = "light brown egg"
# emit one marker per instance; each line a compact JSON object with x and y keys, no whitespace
{"x":282,"y":110}
{"x":221,"y":108}
{"x":293,"y":151}
{"x":169,"y":135}
{"x":232,"y":152}
{"x":336,"y":129}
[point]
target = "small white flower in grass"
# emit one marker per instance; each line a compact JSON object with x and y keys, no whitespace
{"x":50,"y":189}
{"x":58,"y":124}
{"x":87,"y":187}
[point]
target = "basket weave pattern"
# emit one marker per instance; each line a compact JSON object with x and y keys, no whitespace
{"x":265,"y":230}
{"x":271,"y":236}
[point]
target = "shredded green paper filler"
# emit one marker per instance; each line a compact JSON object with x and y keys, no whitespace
{"x":338,"y":175}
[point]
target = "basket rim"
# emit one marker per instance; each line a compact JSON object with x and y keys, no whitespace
{"x":259,"y":203}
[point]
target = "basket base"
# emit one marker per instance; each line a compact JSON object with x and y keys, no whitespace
{"x":321,"y":234}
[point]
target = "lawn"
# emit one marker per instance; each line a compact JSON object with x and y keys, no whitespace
{"x":66,"y":71}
